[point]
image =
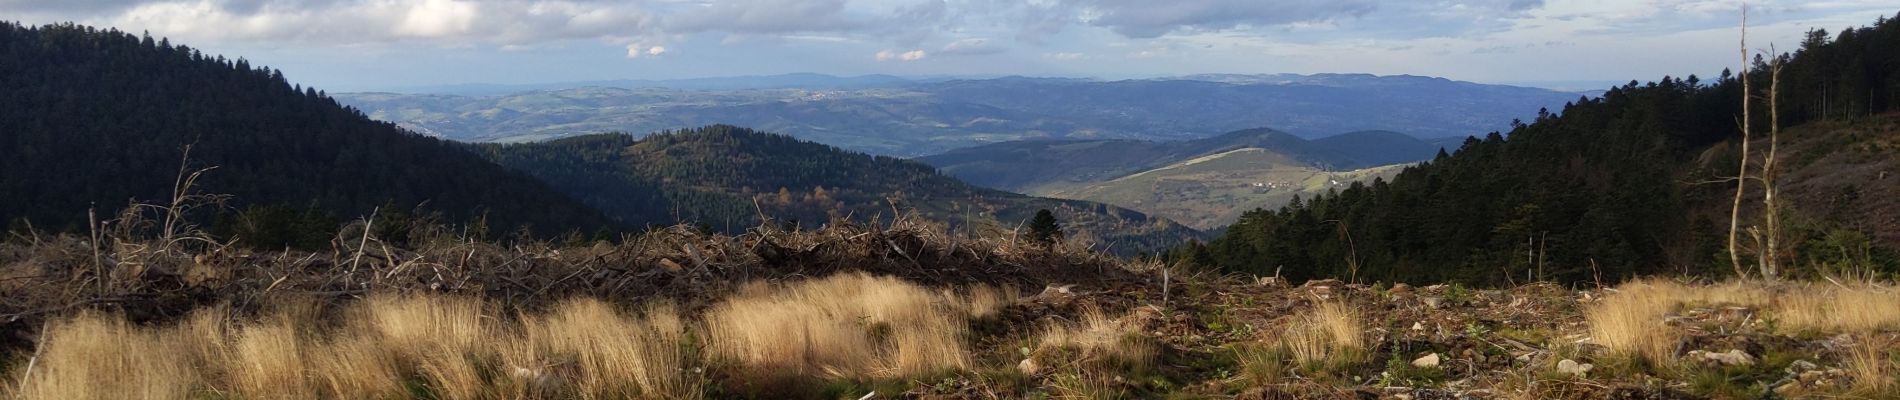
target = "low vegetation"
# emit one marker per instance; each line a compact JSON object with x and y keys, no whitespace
{"x":904,"y":311}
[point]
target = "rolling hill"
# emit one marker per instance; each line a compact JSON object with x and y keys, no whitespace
{"x":914,"y":118}
{"x":727,"y":177}
{"x":1204,"y":183}
{"x":93,"y":118}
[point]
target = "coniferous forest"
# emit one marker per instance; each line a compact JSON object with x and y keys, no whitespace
{"x":1629,"y":184}
{"x":95,"y":119}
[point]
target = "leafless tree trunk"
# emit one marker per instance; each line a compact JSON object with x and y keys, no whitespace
{"x":1771,"y":211}
{"x":1741,"y":178}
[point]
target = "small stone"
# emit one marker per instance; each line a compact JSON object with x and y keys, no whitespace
{"x":1029,"y":366}
{"x":1418,"y":326}
{"x":1432,"y":301}
{"x":1428,"y":361}
{"x":1572,"y":367}
{"x":1790,"y":390}
{"x":1732,"y":357}
{"x":1802,"y":366}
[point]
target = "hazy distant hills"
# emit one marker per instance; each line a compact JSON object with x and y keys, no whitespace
{"x":1205,"y":183}
{"x":894,"y":116}
{"x":725,"y":176}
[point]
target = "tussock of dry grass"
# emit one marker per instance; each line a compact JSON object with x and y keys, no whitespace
{"x":1100,"y":340}
{"x":849,"y":325}
{"x":1873,"y":368}
{"x":606,"y":353}
{"x":1863,"y":308}
{"x":1631,"y":321}
{"x":94,"y":356}
{"x":386,"y":347}
{"x":1329,"y":331}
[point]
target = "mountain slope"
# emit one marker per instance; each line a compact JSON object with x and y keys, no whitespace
{"x":1614,"y":187}
{"x":1051,"y":166}
{"x":1212,"y":191}
{"x":92,"y":118}
{"x":726,"y":177}
{"x":925,"y":117}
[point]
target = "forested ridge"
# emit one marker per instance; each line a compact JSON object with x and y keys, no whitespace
{"x":730,"y":178}
{"x":1628,"y":184}
{"x":92,"y":119}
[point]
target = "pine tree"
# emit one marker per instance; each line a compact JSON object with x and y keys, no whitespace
{"x":1044,"y":229}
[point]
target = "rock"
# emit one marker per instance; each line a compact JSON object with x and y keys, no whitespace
{"x":1799,"y":366}
{"x":1428,"y":361}
{"x":1418,"y":326}
{"x":1029,"y":366}
{"x":1398,"y":289}
{"x":1573,"y":368}
{"x":1731,"y":357}
{"x":1432,"y":301}
{"x":1790,"y":390}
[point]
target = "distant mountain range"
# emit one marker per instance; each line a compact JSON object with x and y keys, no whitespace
{"x":901,"y":117}
{"x":1205,"y":183}
{"x":783,"y":81}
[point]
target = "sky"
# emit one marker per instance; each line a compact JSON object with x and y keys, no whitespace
{"x":356,"y":45}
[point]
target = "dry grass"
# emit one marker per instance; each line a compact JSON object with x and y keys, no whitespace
{"x":1100,"y":341}
{"x":1872,"y":366}
{"x":1631,"y":321}
{"x":386,"y":347}
{"x":1330,"y":332}
{"x":94,"y":356}
{"x":1855,"y":308}
{"x":849,"y":325}
{"x":608,"y":354}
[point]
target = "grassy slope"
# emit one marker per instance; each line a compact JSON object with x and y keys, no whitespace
{"x":1211,"y":191}
{"x":1204,"y":183}
{"x":1846,"y":169}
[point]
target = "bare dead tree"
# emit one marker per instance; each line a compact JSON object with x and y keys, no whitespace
{"x":1771,"y":211}
{"x":1741,"y":178}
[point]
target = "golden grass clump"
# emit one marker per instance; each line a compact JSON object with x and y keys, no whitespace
{"x":848,"y":325}
{"x":95,"y":356}
{"x":439,"y":338}
{"x":385,"y":347}
{"x":607,"y":354}
{"x":1872,"y":367}
{"x":1332,"y":331}
{"x":1631,"y":321}
{"x":1864,"y":308}
{"x":1102,"y":341}
{"x":984,"y":301}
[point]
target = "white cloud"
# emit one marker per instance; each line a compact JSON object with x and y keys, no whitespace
{"x":1064,"y":56}
{"x":913,"y":55}
{"x":971,"y":46}
{"x":638,"y":50}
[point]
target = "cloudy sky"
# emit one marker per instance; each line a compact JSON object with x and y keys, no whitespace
{"x":378,"y":44}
